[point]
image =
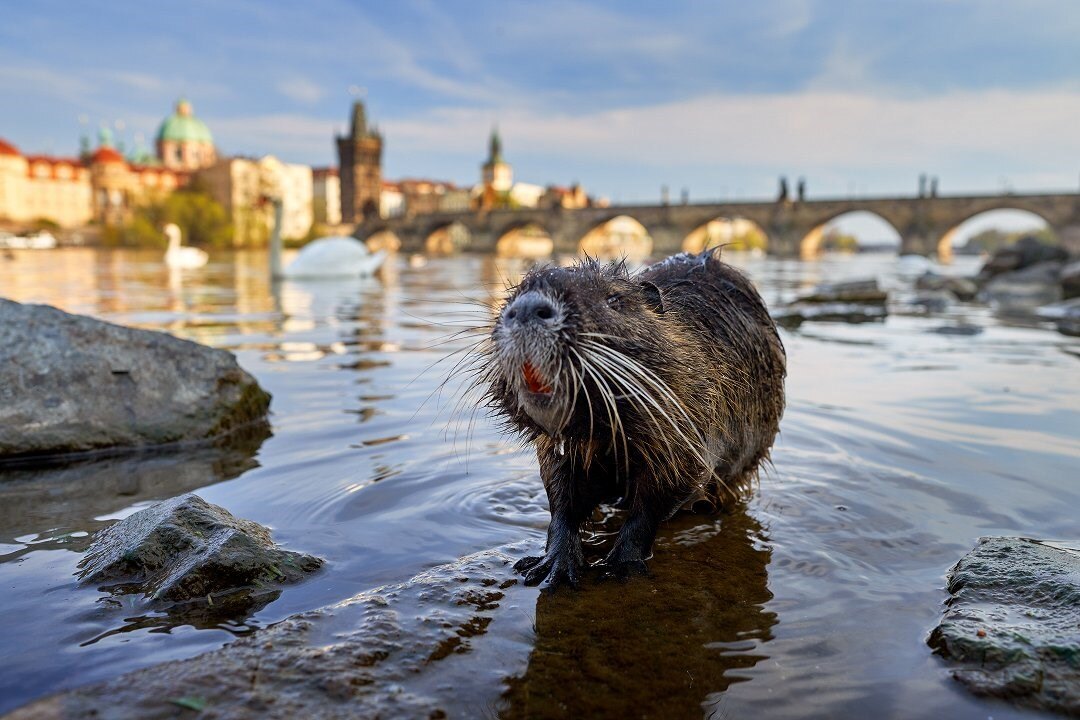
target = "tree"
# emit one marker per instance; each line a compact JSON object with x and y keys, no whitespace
{"x":202,"y":221}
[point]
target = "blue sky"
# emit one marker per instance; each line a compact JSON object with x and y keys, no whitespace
{"x":717,"y":97}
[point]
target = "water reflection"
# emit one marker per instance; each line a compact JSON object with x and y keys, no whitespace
{"x":59,"y":504}
{"x":899,"y":448}
{"x":665,"y":646}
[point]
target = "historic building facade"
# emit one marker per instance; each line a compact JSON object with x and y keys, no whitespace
{"x":103,"y":186}
{"x":360,"y":168}
{"x":183,"y":140}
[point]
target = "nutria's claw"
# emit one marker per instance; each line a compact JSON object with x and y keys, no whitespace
{"x":615,"y":570}
{"x":527,"y":563}
{"x":556,"y":569}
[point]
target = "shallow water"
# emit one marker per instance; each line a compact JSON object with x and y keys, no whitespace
{"x":899,"y":448}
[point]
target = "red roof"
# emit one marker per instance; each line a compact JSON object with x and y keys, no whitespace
{"x":7,"y":148}
{"x":106,"y":155}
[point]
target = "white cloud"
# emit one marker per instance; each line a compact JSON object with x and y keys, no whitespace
{"x":813,"y":129}
{"x":300,"y":89}
{"x":293,"y":138}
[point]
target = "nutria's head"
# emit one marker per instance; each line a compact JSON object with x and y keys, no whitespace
{"x":552,"y":323}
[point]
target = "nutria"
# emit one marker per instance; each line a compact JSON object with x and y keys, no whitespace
{"x":659,"y":388}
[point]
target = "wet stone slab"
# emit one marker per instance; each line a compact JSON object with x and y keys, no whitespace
{"x":468,"y":640}
{"x":1012,"y":628}
{"x":386,"y":653}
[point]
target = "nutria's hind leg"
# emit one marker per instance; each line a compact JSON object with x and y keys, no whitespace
{"x":634,"y":544}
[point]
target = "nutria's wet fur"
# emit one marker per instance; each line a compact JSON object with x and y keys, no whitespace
{"x":660,"y":388}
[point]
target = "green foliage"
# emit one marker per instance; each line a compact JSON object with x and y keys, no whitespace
{"x":202,"y":221}
{"x":992,"y":240}
{"x":752,"y":239}
{"x":44,"y":223}
{"x":840,"y":242}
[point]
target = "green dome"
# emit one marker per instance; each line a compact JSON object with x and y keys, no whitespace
{"x":182,"y":126}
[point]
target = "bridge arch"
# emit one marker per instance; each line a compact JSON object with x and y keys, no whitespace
{"x":1008,"y":222}
{"x":525,"y":239}
{"x":735,"y":233}
{"x":447,"y":238}
{"x":616,"y":237}
{"x":830,"y":233}
{"x":383,"y":238}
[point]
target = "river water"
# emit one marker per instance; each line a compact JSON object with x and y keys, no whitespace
{"x":899,"y":448}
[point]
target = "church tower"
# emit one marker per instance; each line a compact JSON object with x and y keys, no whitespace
{"x":360,"y":161}
{"x":496,"y":173}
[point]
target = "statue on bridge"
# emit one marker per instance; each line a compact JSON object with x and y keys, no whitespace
{"x":783,"y":196}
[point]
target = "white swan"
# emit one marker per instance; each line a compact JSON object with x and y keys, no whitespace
{"x":334,"y":256}
{"x":182,"y":257}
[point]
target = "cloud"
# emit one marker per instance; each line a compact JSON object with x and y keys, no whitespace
{"x":814,"y":128}
{"x":301,"y":90}
{"x":293,"y":138}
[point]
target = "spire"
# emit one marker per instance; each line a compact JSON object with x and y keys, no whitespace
{"x":495,"y":152}
{"x":359,"y":121}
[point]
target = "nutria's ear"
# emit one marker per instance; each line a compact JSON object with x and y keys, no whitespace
{"x":653,"y":298}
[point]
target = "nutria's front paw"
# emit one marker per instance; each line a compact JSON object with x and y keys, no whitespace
{"x":558,"y":568}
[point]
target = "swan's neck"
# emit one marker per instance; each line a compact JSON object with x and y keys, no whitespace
{"x":275,"y":242}
{"x":174,"y":242}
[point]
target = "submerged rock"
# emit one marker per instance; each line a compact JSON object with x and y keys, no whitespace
{"x":1012,"y":629}
{"x":70,"y":383}
{"x":1024,"y":290}
{"x":1024,"y":253}
{"x":963,"y":288}
{"x":851,"y":291}
{"x":797,"y":313}
{"x":184,"y":549}
{"x":1070,"y":280}
{"x":1065,"y":315}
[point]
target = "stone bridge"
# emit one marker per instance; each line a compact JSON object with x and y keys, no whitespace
{"x":925,"y":224}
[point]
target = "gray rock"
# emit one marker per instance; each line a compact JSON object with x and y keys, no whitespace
{"x":1070,"y":280}
{"x":1026,"y":289}
{"x":960,"y":329}
{"x":933,"y":301}
{"x":851,"y":291}
{"x":1012,"y":628}
{"x":187,"y":549}
{"x":70,"y":383}
{"x":793,"y":315}
{"x":1024,"y":253}
{"x":964,"y":289}
{"x":1065,"y":315}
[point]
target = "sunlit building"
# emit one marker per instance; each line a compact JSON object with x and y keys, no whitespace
{"x":241,"y":184}
{"x":326,"y":189}
{"x":391,"y":200}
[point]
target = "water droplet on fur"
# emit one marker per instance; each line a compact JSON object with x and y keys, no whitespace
{"x":560,"y":447}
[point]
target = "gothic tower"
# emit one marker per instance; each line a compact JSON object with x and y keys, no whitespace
{"x":360,"y":160}
{"x":496,"y":173}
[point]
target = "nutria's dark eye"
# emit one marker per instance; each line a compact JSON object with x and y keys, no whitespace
{"x":614,"y":301}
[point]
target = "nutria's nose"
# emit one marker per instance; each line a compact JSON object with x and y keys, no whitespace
{"x":531,"y":307}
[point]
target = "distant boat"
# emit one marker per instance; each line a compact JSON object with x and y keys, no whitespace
{"x":42,"y":240}
{"x":325,"y":257}
{"x":177,"y":256}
